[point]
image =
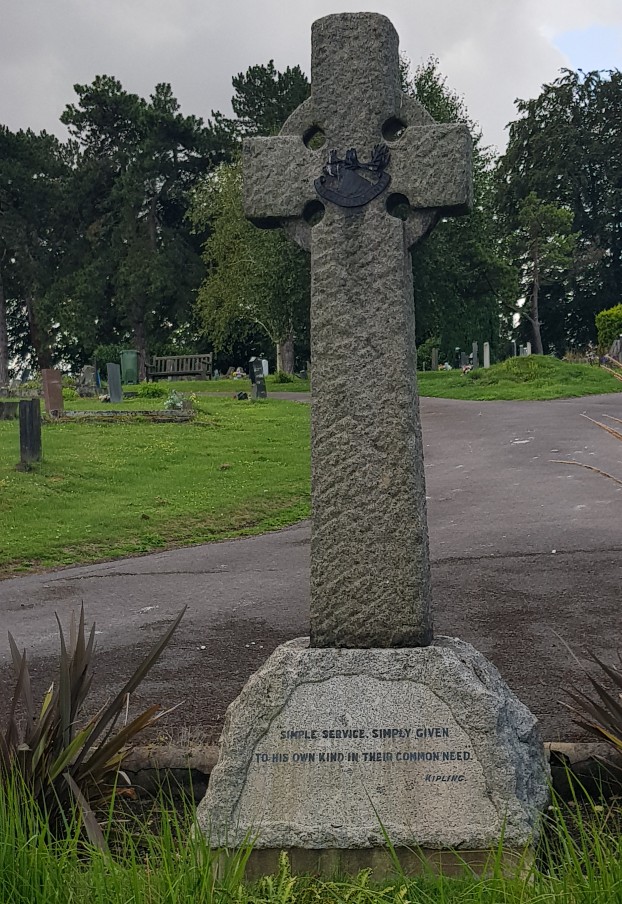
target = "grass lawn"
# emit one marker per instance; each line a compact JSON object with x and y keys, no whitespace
{"x":107,"y":490}
{"x":231,"y":386}
{"x":159,"y":860}
{"x":531,"y":378}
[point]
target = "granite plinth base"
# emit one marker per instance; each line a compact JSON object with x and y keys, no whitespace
{"x":326,"y":750}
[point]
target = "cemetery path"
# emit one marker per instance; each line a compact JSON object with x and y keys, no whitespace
{"x":524,"y":552}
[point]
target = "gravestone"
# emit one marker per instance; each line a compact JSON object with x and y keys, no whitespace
{"x":475,"y":355}
{"x":86,"y":383}
{"x":29,"y":432}
{"x":486,"y":354}
{"x":464,"y":359}
{"x":373,"y":724}
{"x":258,"y":389}
{"x":115,"y":390}
{"x":434,"y":359}
{"x":528,"y":348}
{"x":52,"y":391}
{"x":514,"y":347}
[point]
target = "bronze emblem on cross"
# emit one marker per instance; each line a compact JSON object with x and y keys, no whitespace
{"x":350,"y":183}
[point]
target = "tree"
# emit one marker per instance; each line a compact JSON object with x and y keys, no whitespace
{"x":255,"y":277}
{"x":566,"y":147}
{"x":35,"y":222}
{"x":461,"y":272}
{"x":544,"y":246}
{"x":139,"y":264}
{"x":263,"y":99}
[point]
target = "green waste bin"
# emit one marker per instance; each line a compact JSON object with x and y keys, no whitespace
{"x":129,"y":366}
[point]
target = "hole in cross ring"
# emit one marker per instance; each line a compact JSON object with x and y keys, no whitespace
{"x":398,"y":206}
{"x":314,"y":138}
{"x":393,"y":128}
{"x":313,"y":212}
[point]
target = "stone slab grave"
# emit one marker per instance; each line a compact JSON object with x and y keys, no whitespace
{"x":372,"y":721}
{"x":115,"y":390}
{"x":258,"y":380}
{"x":52,"y":380}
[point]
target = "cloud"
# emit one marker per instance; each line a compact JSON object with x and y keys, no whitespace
{"x":491,"y":51}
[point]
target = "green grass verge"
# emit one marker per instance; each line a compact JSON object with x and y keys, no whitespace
{"x":231,"y":386}
{"x":159,"y":860}
{"x":107,"y":490}
{"x":532,"y":378}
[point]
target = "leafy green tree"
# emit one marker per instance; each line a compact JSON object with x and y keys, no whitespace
{"x":263,"y":99}
{"x":35,"y":225}
{"x":138,"y":263}
{"x":544,"y":247}
{"x":566,"y":147}
{"x":255,"y":277}
{"x":461,"y":272}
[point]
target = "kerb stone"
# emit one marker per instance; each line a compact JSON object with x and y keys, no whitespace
{"x":429,"y":741}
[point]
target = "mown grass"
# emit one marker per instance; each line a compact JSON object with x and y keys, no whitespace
{"x":160,"y":860}
{"x":225,"y":385}
{"x":533,"y":378}
{"x":105,"y":490}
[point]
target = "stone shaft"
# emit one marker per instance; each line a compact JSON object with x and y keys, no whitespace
{"x":370,"y":582}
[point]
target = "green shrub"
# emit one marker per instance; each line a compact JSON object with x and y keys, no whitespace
{"x":69,"y":394}
{"x":281,"y":377}
{"x":151,"y":391}
{"x":609,"y":326}
{"x":107,"y":354}
{"x":61,"y":765}
{"x":424,"y":352}
{"x":175,"y":402}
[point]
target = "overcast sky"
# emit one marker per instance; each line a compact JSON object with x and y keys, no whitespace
{"x":491,"y":51}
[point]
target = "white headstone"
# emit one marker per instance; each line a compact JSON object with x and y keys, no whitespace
{"x":486,"y":354}
{"x":528,"y":348}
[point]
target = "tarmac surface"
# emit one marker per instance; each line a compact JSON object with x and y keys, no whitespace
{"x":526,"y":557}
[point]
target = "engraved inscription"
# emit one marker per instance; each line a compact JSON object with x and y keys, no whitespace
{"x":408,"y":745}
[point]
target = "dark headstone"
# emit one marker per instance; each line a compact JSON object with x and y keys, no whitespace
{"x":257,"y":379}
{"x":52,"y":391}
{"x":29,"y":431}
{"x":434,"y":359}
{"x":115,"y":392}
{"x":475,"y":354}
{"x":464,"y":359}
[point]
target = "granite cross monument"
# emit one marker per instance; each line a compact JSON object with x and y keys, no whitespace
{"x":373,"y":718}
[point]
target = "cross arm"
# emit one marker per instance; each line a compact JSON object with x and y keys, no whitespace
{"x":278,"y":178}
{"x":431,"y":166}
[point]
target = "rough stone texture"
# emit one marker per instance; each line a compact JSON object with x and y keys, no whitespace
{"x":370,"y":583}
{"x":370,"y":577}
{"x":479,"y":745}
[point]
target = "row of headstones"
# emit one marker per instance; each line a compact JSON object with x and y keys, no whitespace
{"x":462,"y":359}
{"x":52,"y":380}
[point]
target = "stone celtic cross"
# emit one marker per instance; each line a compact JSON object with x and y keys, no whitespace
{"x":384,"y":176}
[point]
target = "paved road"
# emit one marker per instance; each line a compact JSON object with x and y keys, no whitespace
{"x":524,"y":551}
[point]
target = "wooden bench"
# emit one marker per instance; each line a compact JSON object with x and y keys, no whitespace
{"x":169,"y":366}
